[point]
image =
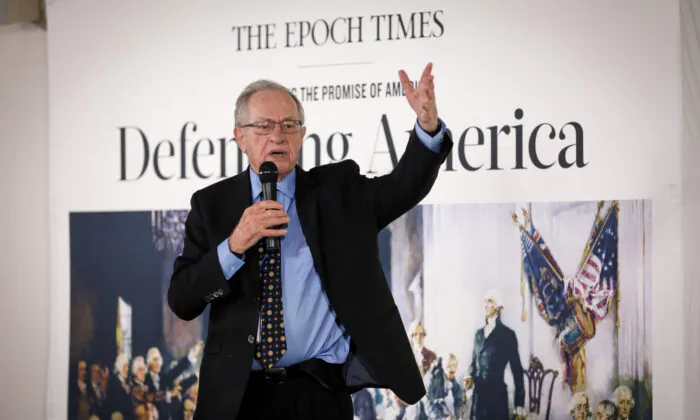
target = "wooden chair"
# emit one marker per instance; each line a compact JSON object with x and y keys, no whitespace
{"x":536,"y":374}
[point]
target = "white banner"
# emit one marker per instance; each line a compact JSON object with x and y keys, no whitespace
{"x":546,"y":102}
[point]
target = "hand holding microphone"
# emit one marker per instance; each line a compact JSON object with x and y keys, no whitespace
{"x":263,"y":219}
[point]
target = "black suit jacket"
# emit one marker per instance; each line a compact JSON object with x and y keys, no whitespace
{"x":118,"y":398}
{"x":489,"y":359}
{"x":341,"y":212}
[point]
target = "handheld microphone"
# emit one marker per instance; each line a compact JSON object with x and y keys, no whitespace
{"x":268,"y":179}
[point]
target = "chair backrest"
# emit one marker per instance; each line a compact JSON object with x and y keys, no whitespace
{"x":536,"y":374}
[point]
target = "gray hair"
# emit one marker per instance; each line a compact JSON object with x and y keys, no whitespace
{"x":136,"y":363}
{"x":617,"y":394}
{"x":257,"y":86}
{"x":574,"y":400}
{"x":120,"y":362}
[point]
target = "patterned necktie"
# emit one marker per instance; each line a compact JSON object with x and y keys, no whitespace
{"x":273,"y":343}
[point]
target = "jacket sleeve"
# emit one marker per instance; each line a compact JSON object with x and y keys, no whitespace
{"x":197,"y":277}
{"x":397,"y":192}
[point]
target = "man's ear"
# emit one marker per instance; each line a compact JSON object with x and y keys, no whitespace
{"x":238,"y":135}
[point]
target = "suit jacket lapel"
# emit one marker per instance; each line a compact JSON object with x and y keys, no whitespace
{"x":240,"y":200}
{"x":306,"y":196}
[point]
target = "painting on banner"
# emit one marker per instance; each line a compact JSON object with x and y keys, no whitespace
{"x":130,"y":357}
{"x":524,"y":310}
{"x":495,"y":298}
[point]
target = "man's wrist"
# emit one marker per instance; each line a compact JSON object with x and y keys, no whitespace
{"x":433,"y":132}
{"x":235,"y":251}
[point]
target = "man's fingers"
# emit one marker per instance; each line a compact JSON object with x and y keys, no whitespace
{"x":430,"y":89}
{"x":263,"y":213}
{"x":426,"y":84}
{"x":427,"y":88}
{"x":274,"y":221}
{"x":274,"y":232}
{"x":268,"y":205}
{"x":266,"y":214}
{"x":271,"y":218}
{"x":405,"y":82}
{"x":426,"y":72}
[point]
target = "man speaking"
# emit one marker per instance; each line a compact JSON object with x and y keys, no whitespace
{"x":298,"y":324}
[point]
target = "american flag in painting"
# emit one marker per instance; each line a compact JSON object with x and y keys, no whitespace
{"x":545,"y":249}
{"x":543,"y":276}
{"x":597,"y":280}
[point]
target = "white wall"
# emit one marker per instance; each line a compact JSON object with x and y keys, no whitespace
{"x":24,"y":221}
{"x":690,"y":62}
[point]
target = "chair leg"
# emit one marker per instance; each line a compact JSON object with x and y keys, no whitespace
{"x":549,"y":400}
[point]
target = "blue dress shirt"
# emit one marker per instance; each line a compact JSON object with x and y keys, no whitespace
{"x":310,"y":325}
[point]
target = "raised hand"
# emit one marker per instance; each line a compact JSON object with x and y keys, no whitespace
{"x":422,"y":98}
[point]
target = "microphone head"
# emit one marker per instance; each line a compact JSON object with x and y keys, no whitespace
{"x":268,"y":172}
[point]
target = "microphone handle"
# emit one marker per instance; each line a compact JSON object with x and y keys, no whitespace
{"x":269,"y":192}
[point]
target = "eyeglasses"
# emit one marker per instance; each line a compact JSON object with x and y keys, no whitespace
{"x":266,"y":126}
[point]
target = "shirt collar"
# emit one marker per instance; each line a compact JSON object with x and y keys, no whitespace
{"x":286,"y":186}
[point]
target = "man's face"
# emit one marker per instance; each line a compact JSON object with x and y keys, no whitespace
{"x":82,"y":370}
{"x":124,"y":371}
{"x":601,"y":413}
{"x":140,"y":373}
{"x":490,"y":307}
{"x":277,"y":146}
{"x":581,"y":408}
{"x":156,"y":363}
{"x":451,"y":368}
{"x":418,"y":336}
{"x":624,"y":405}
{"x":95,"y":373}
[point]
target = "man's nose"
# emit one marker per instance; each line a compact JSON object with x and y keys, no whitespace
{"x":277,"y":134}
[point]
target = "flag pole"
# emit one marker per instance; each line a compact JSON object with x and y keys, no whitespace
{"x":531,"y":302}
{"x":522,"y":286}
{"x":523,"y":315}
{"x":617,"y":245}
